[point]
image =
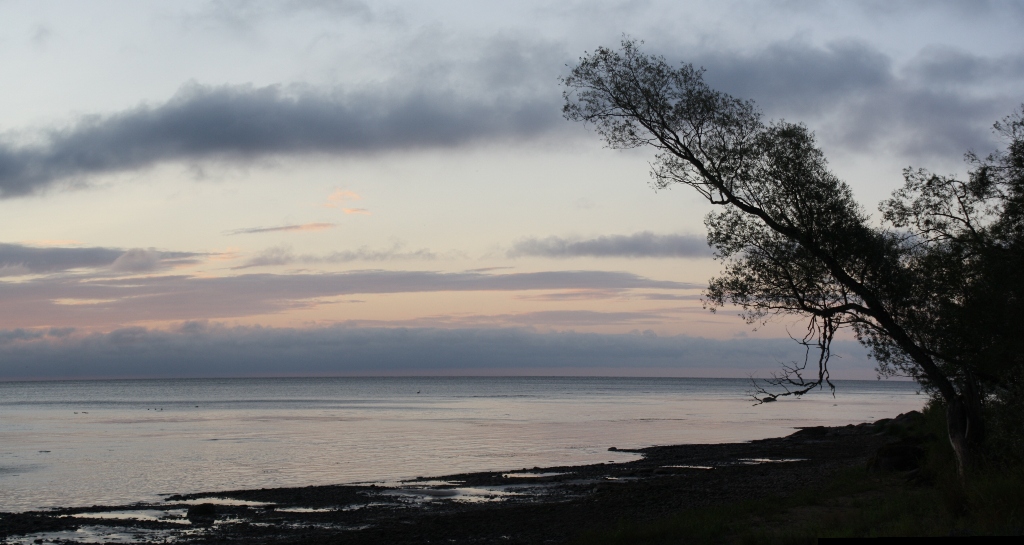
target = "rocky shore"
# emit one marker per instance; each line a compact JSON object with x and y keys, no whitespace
{"x":537,"y":505}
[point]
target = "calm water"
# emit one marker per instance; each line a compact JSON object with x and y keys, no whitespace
{"x":113,"y":442}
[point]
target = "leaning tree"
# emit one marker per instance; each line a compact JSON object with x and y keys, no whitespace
{"x":933,"y":292}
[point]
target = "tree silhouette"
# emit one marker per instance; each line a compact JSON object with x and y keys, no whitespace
{"x":793,"y":241}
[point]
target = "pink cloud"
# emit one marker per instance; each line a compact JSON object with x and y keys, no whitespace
{"x":339,"y":198}
{"x":336,"y":199}
{"x":302,"y":227}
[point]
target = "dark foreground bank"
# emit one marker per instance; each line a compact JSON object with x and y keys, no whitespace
{"x":549,"y":505}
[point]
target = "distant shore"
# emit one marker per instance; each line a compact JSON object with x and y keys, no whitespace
{"x":528,"y":505}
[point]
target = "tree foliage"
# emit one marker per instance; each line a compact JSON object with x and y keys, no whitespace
{"x":934,"y":291}
{"x":963,"y":242}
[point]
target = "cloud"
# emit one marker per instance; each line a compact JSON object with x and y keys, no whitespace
{"x":244,"y":16}
{"x":48,"y":301}
{"x":797,"y":76}
{"x":938,"y":104}
{"x":18,"y":259}
{"x":341,"y":196}
{"x":952,"y":67}
{"x":915,"y":8}
{"x":559,"y":319}
{"x":573,"y":295}
{"x":41,"y":36}
{"x":199,"y":349}
{"x":243,"y":122}
{"x":364,"y":253}
{"x":597,"y":295}
{"x":44,"y":260}
{"x":283,"y":255}
{"x":666,"y":297}
{"x":52,"y":242}
{"x":644,"y":244}
{"x":278,"y":255}
{"x":137,"y":260}
{"x":284,"y":228}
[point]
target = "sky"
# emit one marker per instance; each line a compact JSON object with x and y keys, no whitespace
{"x":303,"y":187}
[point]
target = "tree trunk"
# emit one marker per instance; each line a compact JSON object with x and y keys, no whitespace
{"x":966,"y":428}
{"x":958,"y":427}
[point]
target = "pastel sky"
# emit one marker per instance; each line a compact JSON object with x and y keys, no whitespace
{"x":212,"y":188}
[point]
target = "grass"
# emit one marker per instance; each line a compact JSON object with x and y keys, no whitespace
{"x":929,"y":502}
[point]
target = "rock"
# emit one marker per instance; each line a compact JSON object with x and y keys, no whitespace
{"x":812,"y":431}
{"x":910,"y":419}
{"x":903,"y":425}
{"x":203,"y":511}
{"x":900,"y":456}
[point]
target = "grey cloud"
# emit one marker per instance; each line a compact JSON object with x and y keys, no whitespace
{"x":205,"y":350}
{"x":794,"y":76}
{"x":14,"y":335}
{"x":979,"y":8}
{"x":644,"y":244}
{"x":44,"y":260}
{"x":591,"y":295}
{"x":283,"y":255}
{"x":574,"y":295}
{"x":555,"y":319}
{"x":245,"y":122}
{"x":20,"y":334}
{"x":921,"y":125}
{"x":243,"y":15}
{"x":41,"y":35}
{"x":137,"y":260}
{"x":939,"y":104}
{"x":367,"y":254}
{"x":278,"y":255}
{"x":667,"y":297}
{"x":952,"y":67}
{"x":21,"y":259}
{"x":72,"y":301}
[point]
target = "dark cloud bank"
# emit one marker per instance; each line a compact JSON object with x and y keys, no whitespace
{"x":21,"y":259}
{"x":245,"y":122}
{"x":200,"y":350}
{"x":940,"y":103}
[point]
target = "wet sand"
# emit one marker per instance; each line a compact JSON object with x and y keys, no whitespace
{"x":527,"y":505}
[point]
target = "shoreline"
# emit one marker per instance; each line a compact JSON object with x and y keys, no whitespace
{"x":528,"y":505}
